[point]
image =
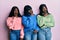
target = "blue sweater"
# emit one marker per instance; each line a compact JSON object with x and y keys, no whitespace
{"x":30,"y":23}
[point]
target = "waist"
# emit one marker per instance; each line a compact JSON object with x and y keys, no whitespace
{"x":46,"y":29}
{"x":28,"y":29}
{"x":15,"y":31}
{"x":16,"y":28}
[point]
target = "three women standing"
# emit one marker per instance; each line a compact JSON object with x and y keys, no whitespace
{"x":34,"y":26}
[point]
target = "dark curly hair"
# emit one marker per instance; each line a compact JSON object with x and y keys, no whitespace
{"x":12,"y":12}
{"x":26,"y":9}
{"x":41,"y":9}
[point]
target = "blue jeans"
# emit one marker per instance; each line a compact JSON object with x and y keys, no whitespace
{"x":14,"y":35}
{"x":44,"y":34}
{"x":29,"y":35}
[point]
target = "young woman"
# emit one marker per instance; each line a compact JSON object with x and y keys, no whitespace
{"x":30,"y":23}
{"x":45,"y":22}
{"x":15,"y":25}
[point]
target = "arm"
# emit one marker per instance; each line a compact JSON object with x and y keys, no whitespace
{"x":26,"y":22}
{"x":36,"y":24}
{"x":51,"y":23}
{"x":22,"y":33}
{"x":40,"y":21}
{"x":9,"y":23}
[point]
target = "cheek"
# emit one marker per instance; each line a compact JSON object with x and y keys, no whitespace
{"x":31,"y":11}
{"x":16,"y":11}
{"x":44,"y":10}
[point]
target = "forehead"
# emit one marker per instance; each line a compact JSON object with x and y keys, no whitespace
{"x":44,"y":7}
{"x":15,"y":9}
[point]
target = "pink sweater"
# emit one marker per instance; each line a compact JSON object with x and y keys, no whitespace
{"x":15,"y":23}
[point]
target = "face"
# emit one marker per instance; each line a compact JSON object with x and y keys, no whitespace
{"x":44,"y":9}
{"x":30,"y":11}
{"x":16,"y":12}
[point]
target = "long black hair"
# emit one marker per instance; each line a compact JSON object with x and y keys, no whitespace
{"x":26,"y":9}
{"x":41,"y":9}
{"x":12,"y":12}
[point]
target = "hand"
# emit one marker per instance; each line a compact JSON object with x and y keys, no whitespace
{"x":10,"y":29}
{"x":43,"y":25}
{"x":21,"y":38}
{"x":35,"y":31}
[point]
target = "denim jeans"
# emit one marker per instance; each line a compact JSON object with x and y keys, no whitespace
{"x":44,"y":34}
{"x":29,"y":35}
{"x":14,"y":35}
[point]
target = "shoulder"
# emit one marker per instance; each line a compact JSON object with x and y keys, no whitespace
{"x":50,"y":15}
{"x":24,"y":17}
{"x":9,"y":18}
{"x":34,"y":15}
{"x":38,"y":16}
{"x":19,"y":17}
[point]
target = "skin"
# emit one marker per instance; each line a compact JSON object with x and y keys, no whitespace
{"x":16,"y":12}
{"x":45,"y":11}
{"x":31,"y":11}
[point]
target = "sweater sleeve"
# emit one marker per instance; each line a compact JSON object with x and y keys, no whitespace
{"x":26,"y":21}
{"x":51,"y":22}
{"x":40,"y":20}
{"x":36,"y":24}
{"x":22,"y":32}
{"x":9,"y":23}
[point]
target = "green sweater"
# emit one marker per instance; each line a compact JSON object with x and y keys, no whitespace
{"x":48,"y":21}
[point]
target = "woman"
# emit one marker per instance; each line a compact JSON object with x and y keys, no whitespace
{"x":15,"y":25}
{"x":30,"y":23}
{"x":45,"y":22}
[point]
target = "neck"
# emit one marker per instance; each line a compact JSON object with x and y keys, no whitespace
{"x":16,"y":16}
{"x":45,"y":14}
